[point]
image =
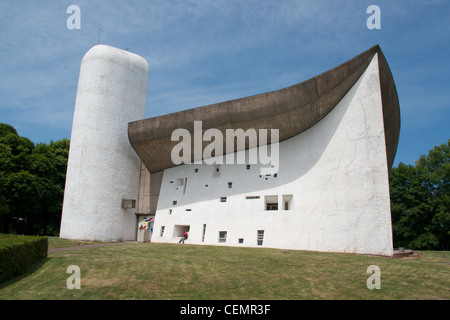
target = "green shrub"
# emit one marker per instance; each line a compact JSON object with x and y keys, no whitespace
{"x":19,"y":253}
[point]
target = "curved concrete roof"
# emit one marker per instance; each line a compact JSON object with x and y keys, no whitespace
{"x":292,"y":110}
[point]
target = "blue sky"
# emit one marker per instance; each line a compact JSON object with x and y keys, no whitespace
{"x":202,"y":52}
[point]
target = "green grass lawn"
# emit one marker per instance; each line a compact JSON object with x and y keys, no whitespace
{"x":171,"y":271}
{"x":57,"y":242}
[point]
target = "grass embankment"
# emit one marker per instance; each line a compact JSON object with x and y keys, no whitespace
{"x":170,"y":271}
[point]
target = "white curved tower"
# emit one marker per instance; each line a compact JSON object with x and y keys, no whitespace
{"x":103,"y":169}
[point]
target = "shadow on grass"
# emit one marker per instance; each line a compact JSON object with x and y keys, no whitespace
{"x":36,"y":266}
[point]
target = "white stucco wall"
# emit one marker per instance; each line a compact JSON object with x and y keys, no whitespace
{"x":336,"y":172}
{"x":103,"y":168}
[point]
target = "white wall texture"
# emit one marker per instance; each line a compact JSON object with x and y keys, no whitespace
{"x":336,"y":172}
{"x":103,"y":168}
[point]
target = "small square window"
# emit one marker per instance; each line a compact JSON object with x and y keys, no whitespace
{"x":241,"y":240}
{"x":248,"y":167}
{"x":196,"y":170}
{"x":222,"y":236}
{"x":174,"y":202}
{"x":271,"y":202}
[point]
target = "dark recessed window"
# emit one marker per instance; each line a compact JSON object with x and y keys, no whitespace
{"x":222,"y":236}
{"x":260,"y":237}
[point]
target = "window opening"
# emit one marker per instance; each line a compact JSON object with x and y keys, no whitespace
{"x":203,"y":233}
{"x":271,"y":202}
{"x":222,"y":236}
{"x":260,"y":237}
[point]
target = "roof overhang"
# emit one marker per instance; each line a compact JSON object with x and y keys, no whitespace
{"x":291,"y":110}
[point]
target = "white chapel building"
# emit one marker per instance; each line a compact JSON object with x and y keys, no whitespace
{"x":305,"y":167}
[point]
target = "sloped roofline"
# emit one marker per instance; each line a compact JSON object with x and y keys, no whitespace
{"x":292,"y":110}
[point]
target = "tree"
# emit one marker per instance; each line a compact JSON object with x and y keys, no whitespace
{"x":32,"y":181}
{"x":420,"y":201}
{"x":6,"y":129}
{"x":435,"y":167}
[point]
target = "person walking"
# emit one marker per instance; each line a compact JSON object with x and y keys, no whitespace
{"x":184,"y":237}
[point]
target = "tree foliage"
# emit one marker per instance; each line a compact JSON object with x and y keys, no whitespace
{"x":420,"y":201}
{"x":32,"y":179}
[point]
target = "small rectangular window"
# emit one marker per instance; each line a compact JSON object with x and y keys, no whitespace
{"x":241,"y":240}
{"x":222,"y":236}
{"x":187,"y":209}
{"x":174,"y":202}
{"x":196,"y":170}
{"x":287,"y":202}
{"x":248,"y":167}
{"x":271,"y":203}
{"x":223,"y":199}
{"x":230,"y":184}
{"x":161,"y":233}
{"x":251,"y":197}
{"x":170,"y":211}
{"x":260,"y":237}
{"x":216,"y":171}
{"x":203,"y":233}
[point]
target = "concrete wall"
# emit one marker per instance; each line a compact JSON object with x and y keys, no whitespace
{"x":334,"y":177}
{"x":103,"y":169}
{"x":144,"y":191}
